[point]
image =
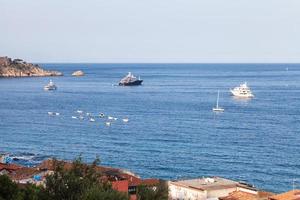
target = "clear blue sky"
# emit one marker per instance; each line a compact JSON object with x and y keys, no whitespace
{"x":151,"y":30}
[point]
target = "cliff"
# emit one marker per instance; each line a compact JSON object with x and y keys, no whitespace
{"x":19,"y":68}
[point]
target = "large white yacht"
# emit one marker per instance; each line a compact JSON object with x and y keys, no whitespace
{"x":242,"y":91}
{"x":50,"y":86}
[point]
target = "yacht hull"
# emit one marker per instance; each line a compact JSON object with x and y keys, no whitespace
{"x":133,"y":83}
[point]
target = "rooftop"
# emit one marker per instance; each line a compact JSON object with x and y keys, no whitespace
{"x":290,"y":195}
{"x":240,"y":195}
{"x":214,"y":183}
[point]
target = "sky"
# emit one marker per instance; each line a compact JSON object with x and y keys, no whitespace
{"x":155,"y":31}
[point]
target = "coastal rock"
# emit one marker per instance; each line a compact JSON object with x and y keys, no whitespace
{"x":19,"y":68}
{"x":78,"y":73}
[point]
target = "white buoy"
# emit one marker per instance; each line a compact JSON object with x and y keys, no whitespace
{"x":92,"y":120}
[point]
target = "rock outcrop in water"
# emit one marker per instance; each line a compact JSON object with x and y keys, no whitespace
{"x":78,"y":73}
{"x":19,"y":68}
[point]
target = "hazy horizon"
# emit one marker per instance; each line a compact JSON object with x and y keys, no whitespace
{"x":135,"y":31}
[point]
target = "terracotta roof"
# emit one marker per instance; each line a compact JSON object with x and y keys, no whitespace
{"x":24,"y":173}
{"x":150,"y":181}
{"x":50,"y":164}
{"x":240,"y":195}
{"x":132,"y":180}
{"x":9,"y":167}
{"x":290,"y":195}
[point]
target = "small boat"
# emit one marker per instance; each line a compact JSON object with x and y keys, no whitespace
{"x":110,"y":117}
{"x":74,"y":117}
{"x":130,"y":80}
{"x":88,"y":114}
{"x":101,"y":115}
{"x":242,"y":91}
{"x":50,"y":86}
{"x":115,"y":118}
{"x":217,"y":108}
{"x":125,"y":120}
{"x":53,"y":113}
{"x":92,"y":120}
{"x":79,"y":111}
{"x":107,"y":123}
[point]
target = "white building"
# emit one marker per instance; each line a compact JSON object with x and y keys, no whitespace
{"x":202,"y":189}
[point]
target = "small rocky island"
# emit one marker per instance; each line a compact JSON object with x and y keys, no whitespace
{"x":78,"y":73}
{"x":19,"y":68}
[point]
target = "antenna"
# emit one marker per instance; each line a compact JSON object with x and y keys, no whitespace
{"x":293,"y":182}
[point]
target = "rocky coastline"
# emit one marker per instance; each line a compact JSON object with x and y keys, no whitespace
{"x":19,"y":68}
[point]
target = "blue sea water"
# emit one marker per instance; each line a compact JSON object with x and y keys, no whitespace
{"x":172,"y":132}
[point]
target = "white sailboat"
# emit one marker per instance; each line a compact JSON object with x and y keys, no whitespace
{"x":217,"y":108}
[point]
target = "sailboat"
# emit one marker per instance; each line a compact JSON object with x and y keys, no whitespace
{"x":217,"y":108}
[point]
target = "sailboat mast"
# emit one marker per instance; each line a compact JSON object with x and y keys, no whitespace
{"x":218,"y":99}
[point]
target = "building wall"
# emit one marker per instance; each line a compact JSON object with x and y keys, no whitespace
{"x":183,"y":193}
{"x":121,"y":186}
{"x":220,"y":192}
{"x":247,"y":190}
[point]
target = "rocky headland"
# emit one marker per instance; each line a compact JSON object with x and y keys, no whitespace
{"x":78,"y":73}
{"x":19,"y":68}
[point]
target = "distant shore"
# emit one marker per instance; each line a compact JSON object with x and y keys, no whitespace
{"x":19,"y":68}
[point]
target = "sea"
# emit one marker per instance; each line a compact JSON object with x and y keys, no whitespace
{"x":172,"y":132}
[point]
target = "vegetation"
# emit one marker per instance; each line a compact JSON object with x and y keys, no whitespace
{"x":158,"y":192}
{"x":80,"y":182}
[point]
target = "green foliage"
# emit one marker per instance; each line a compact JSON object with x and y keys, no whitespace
{"x":8,"y":189}
{"x":158,"y":192}
{"x":80,"y":182}
{"x":97,"y":193}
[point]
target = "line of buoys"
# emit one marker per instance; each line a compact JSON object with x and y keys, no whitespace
{"x":91,"y":118}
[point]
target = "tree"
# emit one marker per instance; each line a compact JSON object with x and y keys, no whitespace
{"x":97,"y":193}
{"x":79,"y":182}
{"x":8,"y":189}
{"x":157,"y":192}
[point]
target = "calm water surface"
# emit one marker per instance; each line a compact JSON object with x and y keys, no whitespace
{"x":172,"y":132}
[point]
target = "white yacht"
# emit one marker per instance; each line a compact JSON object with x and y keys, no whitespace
{"x":242,"y":91}
{"x":50,"y":86}
{"x":217,"y":108}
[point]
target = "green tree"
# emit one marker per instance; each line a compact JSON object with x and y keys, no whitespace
{"x":8,"y":189}
{"x":157,"y":192}
{"x":98,"y":193}
{"x":70,"y":184}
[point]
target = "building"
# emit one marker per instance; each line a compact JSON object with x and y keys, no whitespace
{"x":129,"y":183}
{"x":206,"y":188}
{"x":290,"y":195}
{"x":8,"y":169}
{"x":241,"y":195}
